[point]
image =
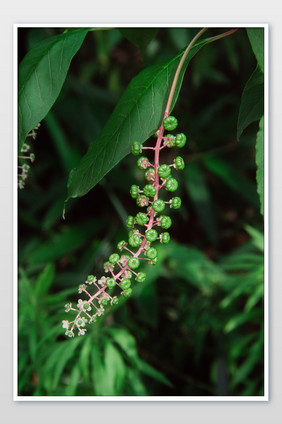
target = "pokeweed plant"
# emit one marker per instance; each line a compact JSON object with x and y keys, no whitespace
{"x":123,"y":267}
{"x":144,"y":110}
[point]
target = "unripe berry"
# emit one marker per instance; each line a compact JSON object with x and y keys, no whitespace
{"x":134,"y":191}
{"x":158,"y":205}
{"x":164,"y":238}
{"x":170,"y":123}
{"x":130,"y":221}
{"x":136,"y":148}
{"x":114,"y":257}
{"x":153,"y":261}
{"x":151,"y":253}
{"x":175,"y":202}
{"x":149,"y":190}
{"x":121,"y":245}
{"x":110,"y":282}
{"x":134,"y":240}
{"x":104,"y":302}
{"x":142,"y":201}
{"x":141,"y":218}
{"x":165,"y":222}
{"x":179,"y":163}
{"x":125,"y":284}
{"x":133,"y":263}
{"x":90,"y":278}
{"x":151,"y":235}
{"x":127,"y":293}
{"x":150,"y":174}
{"x":114,"y":301}
{"x":143,"y":162}
{"x":141,"y":276}
{"x":171,"y":184}
{"x":164,"y":171}
{"x":180,"y":140}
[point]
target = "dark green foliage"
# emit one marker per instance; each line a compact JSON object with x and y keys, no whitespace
{"x":193,"y":325}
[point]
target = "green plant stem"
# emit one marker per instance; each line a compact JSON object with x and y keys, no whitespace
{"x":176,"y":76}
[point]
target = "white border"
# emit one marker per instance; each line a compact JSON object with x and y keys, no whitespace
{"x":266,"y":228}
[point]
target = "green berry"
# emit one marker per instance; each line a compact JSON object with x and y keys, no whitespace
{"x":154,"y":261}
{"x":158,"y":205}
{"x":180,"y":140}
{"x":121,"y":245}
{"x":165,"y":222}
{"x":175,"y":203}
{"x":141,"y":218}
{"x":110,"y":282}
{"x":127,"y":293}
{"x":136,"y":148}
{"x":125,"y":284}
{"x":133,"y":263}
{"x":114,"y":257}
{"x":134,"y":191}
{"x":130,"y":221}
{"x":171,"y":184}
{"x":151,"y":235}
{"x":114,"y":301}
{"x":141,"y":276}
{"x":90,"y":278}
{"x":149,"y":190}
{"x":179,"y":163}
{"x":142,"y":201}
{"x":151,"y":253}
{"x":150,"y":174}
{"x":170,"y":123}
{"x":164,"y":238}
{"x":143,"y":162}
{"x":104,"y":302}
{"x":134,"y":240}
{"x":164,"y":171}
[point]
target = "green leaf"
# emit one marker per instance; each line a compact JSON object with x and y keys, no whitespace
{"x":57,"y":361}
{"x":260,"y":163}
{"x":233,"y":178}
{"x":252,"y":102}
{"x":102,"y":387}
{"x":140,"y":37}
{"x":42,"y":73}
{"x":73,"y":383}
{"x":256,"y":37}
{"x":126,"y":341}
{"x":257,"y":237}
{"x":44,"y":280}
{"x":137,"y":116}
{"x":147,"y":369}
{"x":200,"y":195}
{"x":114,"y":368}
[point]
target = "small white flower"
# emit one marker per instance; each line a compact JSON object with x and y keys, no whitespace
{"x":82,"y":332}
{"x":102,"y":281}
{"x":81,"y":321}
{"x":83,"y":305}
{"x":92,"y":281}
{"x":69,"y":333}
{"x":123,"y":260}
{"x":66,"y":324}
{"x":68,"y":307}
{"x":81,"y":288}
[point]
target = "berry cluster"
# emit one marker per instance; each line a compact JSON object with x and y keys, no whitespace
{"x":24,"y":167}
{"x":123,"y":267}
